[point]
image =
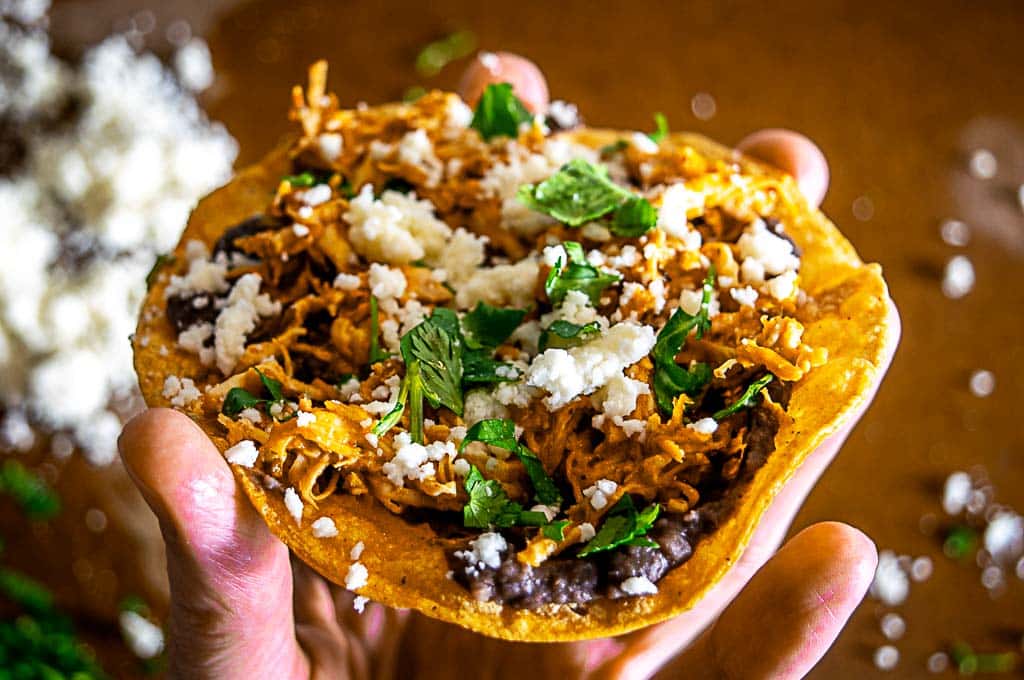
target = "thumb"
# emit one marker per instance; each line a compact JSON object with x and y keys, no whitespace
{"x":231,"y":585}
{"x":792,"y":610}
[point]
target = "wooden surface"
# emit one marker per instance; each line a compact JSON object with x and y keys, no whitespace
{"x":896,"y":94}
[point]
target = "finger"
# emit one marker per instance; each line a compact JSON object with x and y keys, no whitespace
{"x":489,"y":68}
{"x":800,"y":600}
{"x":331,"y":653}
{"x":231,"y":584}
{"x":668,"y":639}
{"x":794,"y":153}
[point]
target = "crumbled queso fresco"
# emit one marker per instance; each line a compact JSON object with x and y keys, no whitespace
{"x":115,"y":155}
{"x":569,"y":345}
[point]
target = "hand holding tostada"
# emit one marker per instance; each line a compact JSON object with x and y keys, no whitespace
{"x":543,"y":381}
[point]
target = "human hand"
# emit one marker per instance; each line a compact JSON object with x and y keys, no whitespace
{"x":802,"y":598}
{"x":240,"y":609}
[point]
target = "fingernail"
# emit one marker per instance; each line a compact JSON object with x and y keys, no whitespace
{"x":523,"y":75}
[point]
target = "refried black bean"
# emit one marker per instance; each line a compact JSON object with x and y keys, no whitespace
{"x":253,"y":225}
{"x":571,"y":580}
{"x":183,"y":313}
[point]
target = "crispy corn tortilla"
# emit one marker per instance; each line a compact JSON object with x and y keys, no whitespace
{"x":407,"y":563}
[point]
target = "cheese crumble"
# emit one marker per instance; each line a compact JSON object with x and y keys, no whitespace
{"x":85,"y":213}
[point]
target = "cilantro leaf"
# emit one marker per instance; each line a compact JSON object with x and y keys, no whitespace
{"x":578,"y":193}
{"x":634,"y":218}
{"x":502,"y":434}
{"x":555,"y":530}
{"x":671,"y":379}
{"x":578,"y":274}
{"x":488,"y":326}
{"x":562,"y":334}
{"x":488,"y":504}
{"x":623,"y":526}
{"x":376,"y":353}
{"x":433,"y":369}
{"x":747,"y":399}
{"x":272,"y":386}
{"x":480,"y":368}
{"x":440,"y":360}
{"x":392,"y":417}
{"x":661,"y":128}
{"x":493,"y":431}
{"x":499,"y":112}
{"x":237,"y":400}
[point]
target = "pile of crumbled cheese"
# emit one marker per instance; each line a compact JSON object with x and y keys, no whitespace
{"x":115,"y":155}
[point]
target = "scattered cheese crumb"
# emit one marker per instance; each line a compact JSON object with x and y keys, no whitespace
{"x":704,"y":425}
{"x":357,"y":576}
{"x":293,"y":504}
{"x":566,"y":374}
{"x":243,"y":453}
{"x":357,"y":551}
{"x":180,"y":391}
{"x":304,"y":418}
{"x":600,"y":493}
{"x":638,"y":585}
{"x":324,"y":527}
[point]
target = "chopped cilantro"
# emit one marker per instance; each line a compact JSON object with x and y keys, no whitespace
{"x":30,"y":491}
{"x":578,"y":274}
{"x":436,"y":55}
{"x":582,"y":191}
{"x":502,"y":433}
{"x":238,"y":398}
{"x":161,"y":260}
{"x":301,"y":180}
{"x":671,"y":379}
{"x":578,"y":193}
{"x":747,"y":399}
{"x":376,"y":353}
{"x":555,"y":530}
{"x":623,"y":526}
{"x":634,"y":218}
{"x":488,"y":504}
{"x":488,"y":326}
{"x":433,"y":369}
{"x":272,"y":386}
{"x":661,"y":128}
{"x":499,"y":112}
{"x":437,"y":353}
{"x":562,"y":334}
{"x":479,"y":367}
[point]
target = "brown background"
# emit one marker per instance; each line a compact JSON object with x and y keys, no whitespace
{"x":896,"y":94}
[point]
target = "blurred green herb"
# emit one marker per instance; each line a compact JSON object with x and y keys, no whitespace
{"x":961,"y":542}
{"x":30,"y":491}
{"x":438,"y":54}
{"x":661,"y":128}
